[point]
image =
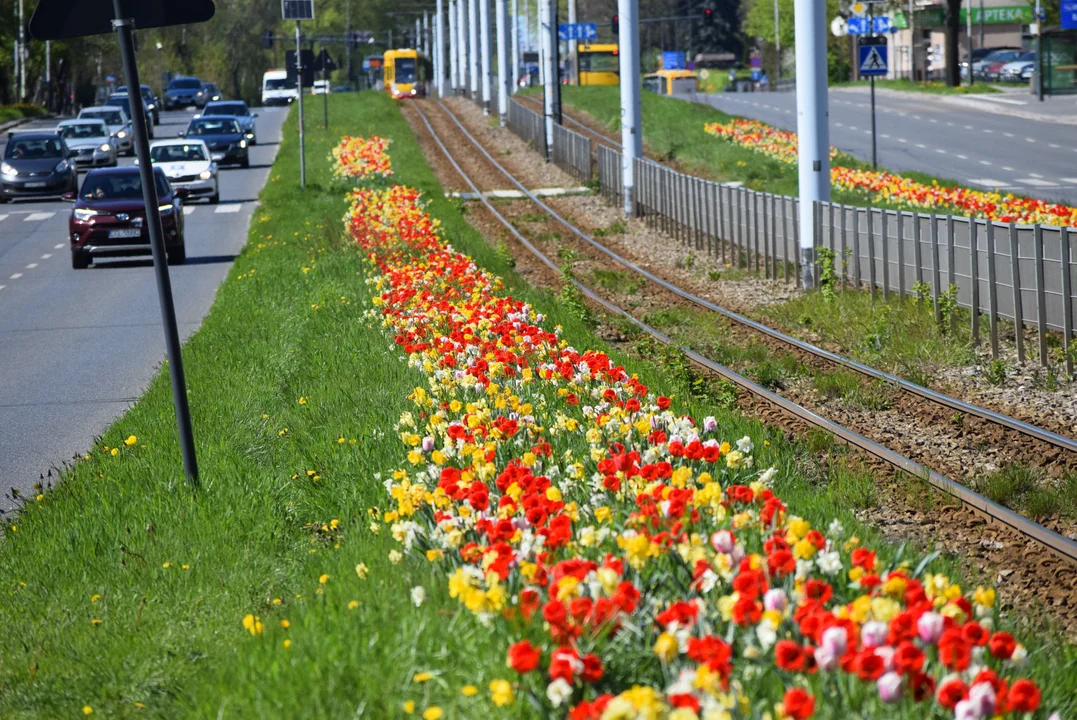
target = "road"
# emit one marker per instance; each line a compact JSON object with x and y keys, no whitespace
{"x":77,"y":347}
{"x":977,"y":149}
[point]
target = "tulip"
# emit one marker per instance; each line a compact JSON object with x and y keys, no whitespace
{"x":929,"y":627}
{"x":723,"y":541}
{"x":873,"y":634}
{"x":710,"y":424}
{"x":889,"y":686}
{"x":835,"y":640}
{"x":775,"y":599}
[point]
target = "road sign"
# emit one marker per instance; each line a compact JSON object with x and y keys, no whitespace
{"x":757,"y":74}
{"x":1069,"y":14}
{"x":577,"y":31}
{"x":838,"y":27}
{"x":756,"y":61}
{"x":297,"y":9}
{"x":672,"y":60}
{"x":863,"y":25}
{"x":882,"y":25}
{"x":873,"y":56}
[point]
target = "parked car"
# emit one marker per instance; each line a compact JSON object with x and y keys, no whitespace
{"x":118,"y":125}
{"x":239,"y":110}
{"x":996,"y":60}
{"x":123,"y":102}
{"x":187,"y":164}
{"x":89,"y":142}
{"x":977,"y":55}
{"x":109,"y":217}
{"x":1011,"y":71}
{"x":223,"y":136}
{"x":207,"y":93}
{"x":181,"y":92}
{"x":1025,"y":75}
{"x":36,"y":164}
{"x":153,"y":103}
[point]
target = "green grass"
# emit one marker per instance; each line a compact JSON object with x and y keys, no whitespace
{"x":931,"y":88}
{"x":170,"y":573}
{"x":1026,"y":488}
{"x":21,"y":110}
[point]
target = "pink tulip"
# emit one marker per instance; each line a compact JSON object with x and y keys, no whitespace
{"x":889,"y":686}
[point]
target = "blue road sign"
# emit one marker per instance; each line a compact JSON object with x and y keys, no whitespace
{"x":863,"y":25}
{"x":873,"y":56}
{"x":757,"y":74}
{"x":882,"y":25}
{"x":858,"y":26}
{"x":672,"y":60}
{"x":1069,"y":14}
{"x":577,"y":31}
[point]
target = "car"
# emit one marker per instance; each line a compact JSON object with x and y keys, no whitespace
{"x":36,"y":164}
{"x":997,"y":59}
{"x":207,"y":93}
{"x":223,"y":136}
{"x":153,"y":103}
{"x":1011,"y":71}
{"x":342,"y":88}
{"x":187,"y":165}
{"x":320,"y":87}
{"x":181,"y":92}
{"x":277,"y":88}
{"x":109,"y":217}
{"x":89,"y":142}
{"x":977,"y":55}
{"x":239,"y":110}
{"x":123,"y":102}
{"x":117,"y":122}
{"x":1027,"y":71}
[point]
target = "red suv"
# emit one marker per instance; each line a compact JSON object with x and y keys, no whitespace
{"x":109,"y":217}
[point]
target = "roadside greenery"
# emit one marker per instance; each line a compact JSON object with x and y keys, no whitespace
{"x":21,"y":110}
{"x":932,"y":88}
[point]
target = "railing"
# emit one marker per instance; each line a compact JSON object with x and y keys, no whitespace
{"x":570,"y":151}
{"x":528,"y":125}
{"x":950,"y":261}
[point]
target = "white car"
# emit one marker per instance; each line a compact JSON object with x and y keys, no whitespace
{"x":320,"y":87}
{"x":187,"y":164}
{"x":118,"y":125}
{"x":277,"y":89}
{"x":90,"y":142}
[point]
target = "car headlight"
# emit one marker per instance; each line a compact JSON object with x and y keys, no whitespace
{"x":105,"y":147}
{"x":121,"y":134}
{"x":165,"y":209}
{"x":250,"y":134}
{"x":243,"y":143}
{"x":205,"y":175}
{"x":85,"y":214}
{"x":151,"y":106}
{"x":61,"y":166}
{"x":7,"y":169}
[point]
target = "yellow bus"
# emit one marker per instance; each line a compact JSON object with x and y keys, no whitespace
{"x":405,"y":72}
{"x":599,"y":65}
{"x":670,"y":82}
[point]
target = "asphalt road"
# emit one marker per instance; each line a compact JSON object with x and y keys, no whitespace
{"x":978,"y":149}
{"x":77,"y":347}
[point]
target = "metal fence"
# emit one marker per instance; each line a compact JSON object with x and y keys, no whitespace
{"x":571,"y":151}
{"x":1024,"y":274}
{"x":528,"y":125}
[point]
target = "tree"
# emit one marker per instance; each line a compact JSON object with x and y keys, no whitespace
{"x":953,"y":30}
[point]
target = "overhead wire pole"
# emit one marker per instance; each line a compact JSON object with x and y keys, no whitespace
{"x":503,"y":74}
{"x":573,"y":47}
{"x":426,"y":33}
{"x":22,"y":55}
{"x":813,"y":115}
{"x":968,"y":38}
{"x":515,"y":46}
{"x":473,"y":47}
{"x":631,"y":132}
{"x":777,"y":48}
{"x":453,"y":65}
{"x":439,"y":47}
{"x":546,"y":37}
{"x":461,"y":45}
{"x":485,"y":54}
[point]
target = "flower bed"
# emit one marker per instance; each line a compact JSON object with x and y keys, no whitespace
{"x":636,"y":564}
{"x":358,"y":158}
{"x":888,"y":187}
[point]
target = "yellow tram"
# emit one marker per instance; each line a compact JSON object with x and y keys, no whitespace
{"x":599,"y":65}
{"x":670,"y":82}
{"x":405,"y":73}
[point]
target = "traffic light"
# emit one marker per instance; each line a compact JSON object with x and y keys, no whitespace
{"x":267,"y":39}
{"x":615,"y":22}
{"x":708,"y":16}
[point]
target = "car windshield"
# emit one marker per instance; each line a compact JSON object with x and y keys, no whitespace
{"x":213,"y":126}
{"x":177,"y":153}
{"x":1003,"y":56}
{"x":120,"y":102}
{"x":228,"y":109}
{"x":34,"y":149}
{"x":405,"y":70}
{"x":84,"y":130}
{"x":185,"y":84}
{"x":1027,"y":57}
{"x":279,"y":84}
{"x":210,"y":88}
{"x":600,"y":62}
{"x":119,"y":186}
{"x":111,"y":117}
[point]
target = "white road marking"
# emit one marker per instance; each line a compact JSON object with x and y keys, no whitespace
{"x":950,"y":124}
{"x":985,"y":162}
{"x":37,"y":216}
{"x":886,"y":136}
{"x":3,"y":217}
{"x":934,"y":121}
{"x":1007,"y":168}
{"x":1030,"y":139}
{"x":57,"y":246}
{"x":15,"y":276}
{"x":988,"y":131}
{"x":31,"y":266}
{"x":2,"y":287}
{"x":987,"y":182}
{"x":921,"y":146}
{"x":228,"y":208}
{"x":1071,"y":181}
{"x":853,"y":127}
{"x":187,"y":209}
{"x":940,"y":151}
{"x":1008,"y":134}
{"x":963,"y":157}
{"x":46,"y":256}
{"x":915,"y":117}
{"x":1054,"y":146}
{"x":1036,"y":182}
{"x":969,"y":127}
{"x":1035,"y":175}
{"x":839,"y":125}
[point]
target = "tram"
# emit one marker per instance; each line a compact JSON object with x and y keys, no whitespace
{"x":405,"y":73}
{"x":599,"y":65}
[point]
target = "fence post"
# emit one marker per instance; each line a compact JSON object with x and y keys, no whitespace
{"x":796,"y":238}
{"x":712,"y":219}
{"x":697,"y":197}
{"x":755,"y":227}
{"x":742,"y":217}
{"x":766,"y":239}
{"x":817,"y":239}
{"x":901,"y":254}
{"x":886,"y":253}
{"x":785,"y":240}
{"x":871,"y":252}
{"x":936,"y":273}
{"x":773,"y":237}
{"x":951,"y":273}
{"x":844,"y":244}
{"x":917,"y":252}
{"x":857,"y":277}
{"x":974,"y":272}
{"x":830,"y":229}
{"x":1018,"y":310}
{"x":1067,"y":298}
{"x":992,"y":288}
{"x":1041,"y":298}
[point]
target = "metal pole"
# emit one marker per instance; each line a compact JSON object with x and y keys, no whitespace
{"x":515,"y":48}
{"x":546,"y":39}
{"x":124,"y":28}
{"x":503,"y":74}
{"x":22,"y":55}
{"x":325,"y":97}
{"x":426,"y":33}
{"x":631,"y":130}
{"x":777,"y":45}
{"x":299,"y":103}
{"x":439,"y":43}
{"x":981,"y":23}
{"x":347,"y":34}
{"x":1039,"y":51}
{"x":452,"y":46}
{"x":874,"y":139}
{"x":48,"y":75}
{"x":461,"y":44}
{"x":573,"y":46}
{"x":968,"y":38}
{"x":473,"y":47}
{"x":487,"y":56}
{"x":809,"y":23}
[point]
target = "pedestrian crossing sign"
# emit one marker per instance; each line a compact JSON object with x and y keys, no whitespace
{"x":873,"y":56}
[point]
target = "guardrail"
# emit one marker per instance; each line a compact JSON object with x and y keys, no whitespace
{"x":1024,"y":274}
{"x":571,"y":151}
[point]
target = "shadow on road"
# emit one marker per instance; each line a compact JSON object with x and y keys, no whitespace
{"x":211,"y":259}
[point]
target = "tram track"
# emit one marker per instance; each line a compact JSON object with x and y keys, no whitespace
{"x":1061,"y":546}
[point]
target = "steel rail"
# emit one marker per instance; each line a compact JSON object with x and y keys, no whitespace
{"x":1059,"y":544}
{"x":953,"y":403}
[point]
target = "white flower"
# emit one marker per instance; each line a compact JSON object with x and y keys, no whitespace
{"x":745,"y":445}
{"x":559,"y":692}
{"x":835,"y":529}
{"x":829,"y":563}
{"x":418,"y":594}
{"x":768,"y":475}
{"x":710,"y":424}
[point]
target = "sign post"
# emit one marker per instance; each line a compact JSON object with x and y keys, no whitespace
{"x":873,"y":62}
{"x":813,"y":149}
{"x":299,"y":10}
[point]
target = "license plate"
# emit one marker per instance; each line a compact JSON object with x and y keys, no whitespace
{"x":36,"y":184}
{"x":217,"y":156}
{"x":125,"y":233}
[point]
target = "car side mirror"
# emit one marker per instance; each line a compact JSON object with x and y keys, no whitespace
{"x":69,"y":196}
{"x":254,"y":114}
{"x":72,"y":153}
{"x":181,"y":133}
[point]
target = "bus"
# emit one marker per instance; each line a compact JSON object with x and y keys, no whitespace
{"x":599,"y":65}
{"x":405,"y":72}
{"x":671,"y":82}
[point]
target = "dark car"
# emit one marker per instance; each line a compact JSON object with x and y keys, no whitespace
{"x":153,"y":103}
{"x":123,"y":102}
{"x":239,"y":110}
{"x":36,"y":164}
{"x":181,"y":92}
{"x":109,"y":217}
{"x":208,"y":93}
{"x":223,"y":136}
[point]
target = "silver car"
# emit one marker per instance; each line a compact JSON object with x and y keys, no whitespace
{"x":118,"y":125}
{"x":89,"y":141}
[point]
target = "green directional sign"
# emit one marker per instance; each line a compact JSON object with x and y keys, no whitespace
{"x":936,"y":16}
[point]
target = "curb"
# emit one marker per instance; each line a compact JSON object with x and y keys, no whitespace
{"x":972,"y":103}
{"x":4,"y":127}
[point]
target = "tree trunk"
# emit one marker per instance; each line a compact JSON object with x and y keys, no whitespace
{"x":953,"y":30}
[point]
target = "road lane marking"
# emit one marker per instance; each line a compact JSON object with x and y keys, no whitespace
{"x":1030,"y":139}
{"x":228,"y":208}
{"x":1035,"y":175}
{"x":985,"y":162}
{"x":940,"y":151}
{"x":1071,"y":181}
{"x":1036,"y":182}
{"x":2,"y":287}
{"x":3,"y":217}
{"x":187,"y":209}
{"x":1054,"y":146}
{"x":969,"y":127}
{"x":1009,"y":134}
{"x":963,"y":157}
{"x":987,"y":182}
{"x":15,"y":276}
{"x":31,"y":266}
{"x":885,"y":136}
{"x":46,"y":256}
{"x":988,"y":131}
{"x":57,"y":246}
{"x":38,"y":216}
{"x":1007,"y":168}
{"x":921,"y":146}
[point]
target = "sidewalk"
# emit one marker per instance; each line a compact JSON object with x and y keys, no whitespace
{"x":1061,"y":109}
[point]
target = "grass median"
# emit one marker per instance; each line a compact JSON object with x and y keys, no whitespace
{"x":126,"y":594}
